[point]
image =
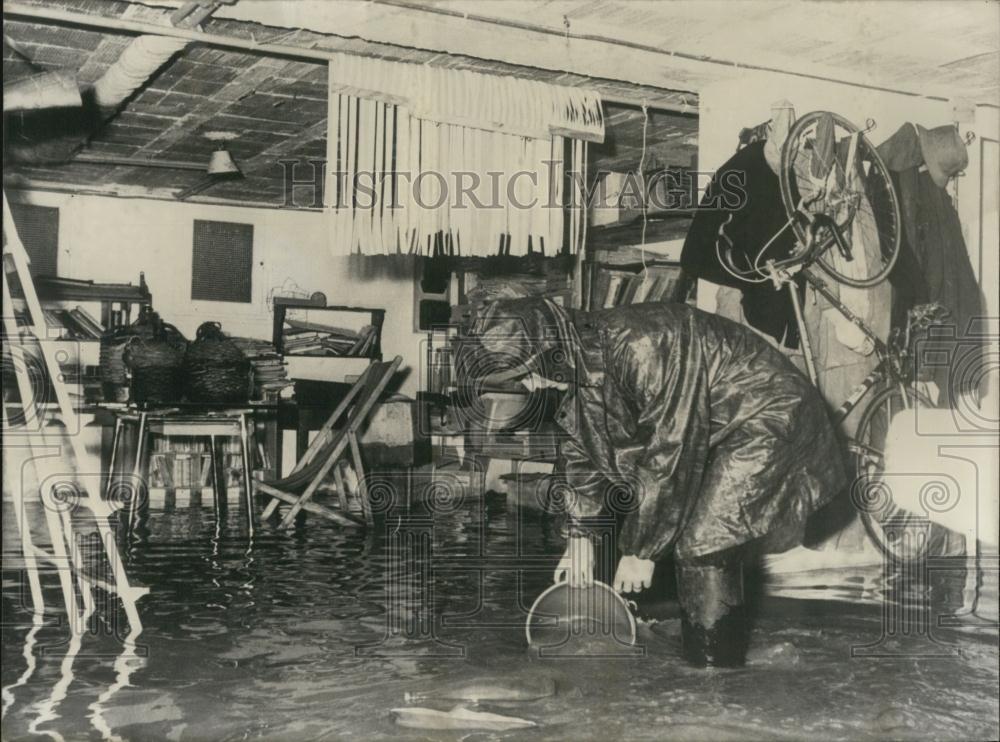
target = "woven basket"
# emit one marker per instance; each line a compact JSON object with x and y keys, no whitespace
{"x":156,"y":365}
{"x":114,"y":371}
{"x":215,"y":369}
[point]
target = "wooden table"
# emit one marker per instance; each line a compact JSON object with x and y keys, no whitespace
{"x":199,"y":421}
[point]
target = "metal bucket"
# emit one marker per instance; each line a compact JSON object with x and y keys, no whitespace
{"x":579,"y":621}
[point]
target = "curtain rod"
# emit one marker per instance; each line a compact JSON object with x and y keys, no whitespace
{"x":71,"y":17}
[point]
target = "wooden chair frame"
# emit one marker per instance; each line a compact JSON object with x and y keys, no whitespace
{"x":332,"y":443}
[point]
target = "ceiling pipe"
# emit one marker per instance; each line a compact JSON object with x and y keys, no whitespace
{"x":52,"y":138}
{"x":137,"y":63}
{"x":22,"y":10}
{"x":44,"y":90}
{"x":56,"y":142}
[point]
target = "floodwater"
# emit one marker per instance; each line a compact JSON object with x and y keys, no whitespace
{"x":316,"y":633}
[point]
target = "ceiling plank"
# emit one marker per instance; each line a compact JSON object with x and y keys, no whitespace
{"x":245,"y":84}
{"x":285,"y":148}
{"x":107,"y":51}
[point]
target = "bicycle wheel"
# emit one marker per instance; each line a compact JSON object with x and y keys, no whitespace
{"x":869,"y":458}
{"x":860,"y":200}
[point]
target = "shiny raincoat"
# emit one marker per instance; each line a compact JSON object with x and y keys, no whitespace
{"x":721,"y":439}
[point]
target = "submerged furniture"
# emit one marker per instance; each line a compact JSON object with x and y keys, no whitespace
{"x":327,"y":449}
{"x":189,"y":422}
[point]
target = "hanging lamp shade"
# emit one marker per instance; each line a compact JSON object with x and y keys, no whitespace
{"x":222,"y":164}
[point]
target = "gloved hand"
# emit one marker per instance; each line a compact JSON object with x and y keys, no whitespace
{"x":577,"y":563}
{"x":634,"y":574}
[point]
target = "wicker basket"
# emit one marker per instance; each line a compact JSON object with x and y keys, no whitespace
{"x":114,"y":371}
{"x":215,"y":369}
{"x":156,"y":365}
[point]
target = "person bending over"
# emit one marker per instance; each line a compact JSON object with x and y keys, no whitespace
{"x":723,"y":443}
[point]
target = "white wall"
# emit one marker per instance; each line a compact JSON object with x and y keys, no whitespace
{"x":113,"y":239}
{"x":979,"y":204}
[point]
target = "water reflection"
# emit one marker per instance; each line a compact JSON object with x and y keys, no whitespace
{"x":128,"y":662}
{"x":263,"y":637}
{"x":30,"y":662}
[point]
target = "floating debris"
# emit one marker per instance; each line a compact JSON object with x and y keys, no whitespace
{"x":416,"y":717}
{"x":510,"y":689}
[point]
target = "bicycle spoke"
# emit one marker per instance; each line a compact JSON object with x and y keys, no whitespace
{"x":888,"y":523}
{"x":856,"y":195}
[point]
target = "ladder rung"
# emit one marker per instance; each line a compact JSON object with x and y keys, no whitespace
{"x":133,"y":591}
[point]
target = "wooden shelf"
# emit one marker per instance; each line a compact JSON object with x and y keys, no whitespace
{"x":661,"y":228}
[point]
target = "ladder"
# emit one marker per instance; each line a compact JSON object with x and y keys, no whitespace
{"x":34,"y":445}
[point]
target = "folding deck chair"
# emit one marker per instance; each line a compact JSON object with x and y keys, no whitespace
{"x":338,"y":434}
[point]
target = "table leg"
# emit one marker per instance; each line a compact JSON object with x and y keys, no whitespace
{"x":218,"y":474}
{"x":272,"y":447}
{"x":137,"y":472}
{"x":116,"y":440}
{"x":301,"y":440}
{"x":247,"y":469}
{"x":217,"y":460}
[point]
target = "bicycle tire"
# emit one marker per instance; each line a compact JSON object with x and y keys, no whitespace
{"x":871,"y":517}
{"x":878,"y":188}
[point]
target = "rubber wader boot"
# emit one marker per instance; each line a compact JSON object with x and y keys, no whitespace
{"x":714,"y":627}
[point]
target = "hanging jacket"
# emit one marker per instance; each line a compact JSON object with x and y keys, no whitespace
{"x":933,"y":264}
{"x":744,"y":195}
{"x":722,"y":440}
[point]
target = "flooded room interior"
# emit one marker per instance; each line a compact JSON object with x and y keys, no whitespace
{"x":501,"y":370}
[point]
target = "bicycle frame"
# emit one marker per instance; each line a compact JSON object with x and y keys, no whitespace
{"x":889,"y":367}
{"x":805,"y":258}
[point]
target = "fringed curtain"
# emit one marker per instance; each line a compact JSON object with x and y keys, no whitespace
{"x":430,"y":161}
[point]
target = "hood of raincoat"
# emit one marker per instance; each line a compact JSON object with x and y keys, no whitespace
{"x":536,"y":335}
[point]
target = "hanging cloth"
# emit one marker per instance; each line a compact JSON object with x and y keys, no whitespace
{"x":432,"y":161}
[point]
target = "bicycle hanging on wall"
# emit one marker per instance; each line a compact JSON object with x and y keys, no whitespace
{"x":842,"y":208}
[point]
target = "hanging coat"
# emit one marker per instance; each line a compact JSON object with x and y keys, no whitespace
{"x":721,"y":438}
{"x":934,"y":266}
{"x":744,"y":199}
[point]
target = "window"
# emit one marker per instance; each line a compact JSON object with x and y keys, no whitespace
{"x":38,"y":227}
{"x":222,"y":263}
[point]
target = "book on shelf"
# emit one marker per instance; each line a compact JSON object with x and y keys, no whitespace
{"x":297,"y":325}
{"x":311,"y":338}
{"x":72,"y":324}
{"x":86,"y":322}
{"x":615,"y":287}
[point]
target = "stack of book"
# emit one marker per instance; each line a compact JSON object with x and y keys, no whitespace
{"x":73,"y":324}
{"x":316,"y":339}
{"x":186,"y":463}
{"x":614,"y":287}
{"x":270,"y":374}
